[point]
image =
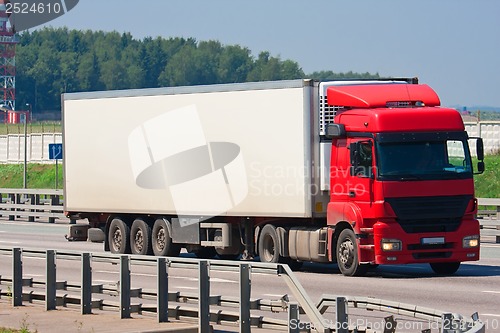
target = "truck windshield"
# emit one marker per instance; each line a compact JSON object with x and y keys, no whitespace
{"x":423,"y":160}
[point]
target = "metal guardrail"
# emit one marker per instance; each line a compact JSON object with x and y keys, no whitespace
{"x":84,"y":291}
{"x":490,"y":218}
{"x":33,"y":204}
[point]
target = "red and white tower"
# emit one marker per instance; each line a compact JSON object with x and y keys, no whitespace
{"x":8,"y":43}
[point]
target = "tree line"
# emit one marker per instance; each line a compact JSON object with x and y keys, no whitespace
{"x":53,"y":61}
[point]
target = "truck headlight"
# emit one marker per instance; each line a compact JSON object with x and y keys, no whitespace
{"x":470,"y":241}
{"x":391,"y":244}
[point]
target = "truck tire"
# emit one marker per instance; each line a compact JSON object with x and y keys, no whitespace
{"x":269,"y":245}
{"x":445,"y":268}
{"x":96,"y":235}
{"x":140,"y":237}
{"x":119,"y":236}
{"x":347,"y":254}
{"x":162,"y":240}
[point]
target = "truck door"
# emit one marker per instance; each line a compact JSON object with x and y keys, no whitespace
{"x":359,"y":185}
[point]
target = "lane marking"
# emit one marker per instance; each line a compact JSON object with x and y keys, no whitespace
{"x":190,"y":288}
{"x":106,"y":281}
{"x":9,"y":242}
{"x":491,"y":291}
{"x":274,"y":295}
{"x":107,"y":272}
{"x":490,"y":315}
{"x":222,"y":280}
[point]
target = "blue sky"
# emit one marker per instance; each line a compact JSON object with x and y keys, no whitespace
{"x":452,"y":45}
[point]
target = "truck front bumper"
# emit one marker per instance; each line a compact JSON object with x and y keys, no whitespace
{"x":405,"y":248}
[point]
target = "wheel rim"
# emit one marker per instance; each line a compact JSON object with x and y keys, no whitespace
{"x":160,"y":239}
{"x":117,"y":239}
{"x":346,"y":253}
{"x":139,"y":240}
{"x":269,"y":249}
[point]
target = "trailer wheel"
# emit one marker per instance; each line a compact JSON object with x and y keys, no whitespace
{"x":140,"y":237}
{"x":269,"y":245}
{"x":445,"y":268}
{"x":119,"y":236}
{"x":347,"y":255}
{"x":162,"y":240}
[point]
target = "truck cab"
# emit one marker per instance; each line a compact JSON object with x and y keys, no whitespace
{"x":401,"y":179}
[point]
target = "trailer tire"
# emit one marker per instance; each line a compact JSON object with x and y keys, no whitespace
{"x":269,"y":245}
{"x":119,"y":236}
{"x":445,"y":268}
{"x":162,"y":240}
{"x":140,"y":237}
{"x":347,"y":254}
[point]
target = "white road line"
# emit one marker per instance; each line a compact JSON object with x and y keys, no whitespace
{"x":107,"y":272}
{"x":7,"y":242}
{"x":190,"y":288}
{"x":106,"y":281}
{"x":491,"y":291}
{"x":274,"y":295}
{"x":143,"y":274}
{"x":490,"y":314}
{"x":222,"y":280}
{"x":491,"y":246}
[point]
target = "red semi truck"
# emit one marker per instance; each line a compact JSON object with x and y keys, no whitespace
{"x":360,"y":173}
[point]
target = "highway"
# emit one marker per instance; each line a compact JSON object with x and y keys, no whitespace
{"x":475,"y":287}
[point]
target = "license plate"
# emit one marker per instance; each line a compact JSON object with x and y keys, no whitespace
{"x":432,"y":240}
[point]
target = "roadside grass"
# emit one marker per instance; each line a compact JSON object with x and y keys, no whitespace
{"x":488,"y":184}
{"x":39,"y":176}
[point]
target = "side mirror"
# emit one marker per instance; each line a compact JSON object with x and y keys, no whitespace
{"x":480,"y":149}
{"x":335,"y":131}
{"x":480,"y":167}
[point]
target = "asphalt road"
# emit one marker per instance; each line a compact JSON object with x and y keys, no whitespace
{"x":474,"y":288}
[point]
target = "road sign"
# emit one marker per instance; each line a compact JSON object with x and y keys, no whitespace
{"x":55,"y":151}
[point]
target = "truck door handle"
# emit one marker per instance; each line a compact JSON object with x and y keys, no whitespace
{"x":352,"y":194}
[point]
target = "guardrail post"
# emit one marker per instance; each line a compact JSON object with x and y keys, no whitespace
{"x":54,"y":201}
{"x":86,"y":292}
{"x":293,"y":318}
{"x":50,"y":280}
{"x":245,"y":289}
{"x":162,"y":290}
{"x":17,"y":277}
{"x":12,"y":200}
{"x":124,"y":287}
{"x":203,"y":297}
{"x":32,"y":202}
{"x":342,"y":317}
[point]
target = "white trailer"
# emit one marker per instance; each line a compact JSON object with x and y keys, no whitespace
{"x":198,"y":167}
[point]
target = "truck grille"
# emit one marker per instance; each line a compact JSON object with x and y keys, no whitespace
{"x":430,"y":214}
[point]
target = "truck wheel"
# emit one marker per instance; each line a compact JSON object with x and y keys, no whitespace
{"x":162,"y":240}
{"x":119,"y":236}
{"x":445,"y":268}
{"x":347,"y":254}
{"x":269,"y":245}
{"x":140,"y":237}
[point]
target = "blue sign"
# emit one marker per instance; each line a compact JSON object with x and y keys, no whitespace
{"x":55,"y":151}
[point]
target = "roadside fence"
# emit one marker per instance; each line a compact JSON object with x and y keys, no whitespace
{"x":210,"y":308}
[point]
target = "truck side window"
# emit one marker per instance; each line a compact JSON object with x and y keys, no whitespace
{"x":361,"y":158}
